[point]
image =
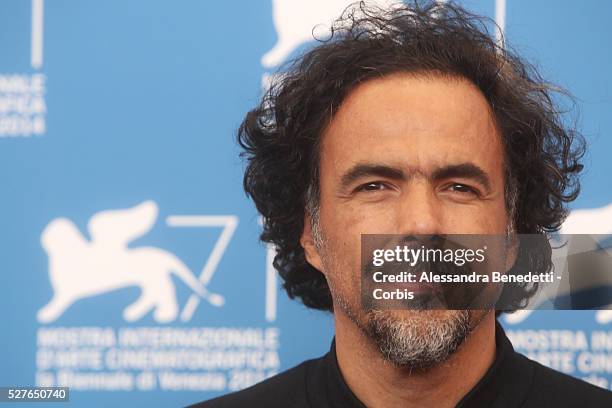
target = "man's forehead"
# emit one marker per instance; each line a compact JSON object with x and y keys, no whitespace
{"x":417,"y":103}
{"x":403,"y":116}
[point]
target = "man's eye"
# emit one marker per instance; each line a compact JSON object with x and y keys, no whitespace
{"x":463,"y":189}
{"x":373,"y":186}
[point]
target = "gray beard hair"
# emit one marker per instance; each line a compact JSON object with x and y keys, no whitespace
{"x":418,"y":341}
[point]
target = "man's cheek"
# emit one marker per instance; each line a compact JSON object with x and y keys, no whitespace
{"x":485,"y":219}
{"x":368,"y":220}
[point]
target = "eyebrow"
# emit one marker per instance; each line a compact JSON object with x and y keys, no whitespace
{"x":365,"y":170}
{"x":462,"y":170}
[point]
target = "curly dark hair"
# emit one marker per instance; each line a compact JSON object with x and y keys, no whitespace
{"x":281,"y":136}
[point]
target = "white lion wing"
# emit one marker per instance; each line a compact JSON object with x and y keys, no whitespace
{"x":119,"y":227}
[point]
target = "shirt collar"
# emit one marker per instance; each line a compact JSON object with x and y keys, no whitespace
{"x":506,"y":382}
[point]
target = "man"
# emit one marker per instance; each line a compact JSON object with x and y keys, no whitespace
{"x":409,"y":121}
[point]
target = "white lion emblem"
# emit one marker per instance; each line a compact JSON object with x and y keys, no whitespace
{"x":79,"y":268}
{"x":294,"y":21}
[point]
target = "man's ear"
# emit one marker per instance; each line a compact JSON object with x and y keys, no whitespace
{"x":310,"y":249}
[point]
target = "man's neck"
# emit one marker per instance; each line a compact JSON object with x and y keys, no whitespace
{"x":380,"y":384}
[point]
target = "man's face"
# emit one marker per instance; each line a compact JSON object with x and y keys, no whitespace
{"x":411,"y":155}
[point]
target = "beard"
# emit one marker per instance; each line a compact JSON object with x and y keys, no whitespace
{"x":412,"y":339}
{"x":408,"y":339}
{"x":418,"y":339}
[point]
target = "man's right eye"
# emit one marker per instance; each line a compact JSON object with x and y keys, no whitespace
{"x":372,"y":186}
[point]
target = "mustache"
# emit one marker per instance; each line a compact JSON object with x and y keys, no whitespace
{"x":443,"y":295}
{"x":423,"y":255}
{"x":435,"y":267}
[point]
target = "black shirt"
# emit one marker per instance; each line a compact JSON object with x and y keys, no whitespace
{"x":512,"y":381}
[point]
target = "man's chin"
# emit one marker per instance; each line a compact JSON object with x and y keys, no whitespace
{"x":419,"y":339}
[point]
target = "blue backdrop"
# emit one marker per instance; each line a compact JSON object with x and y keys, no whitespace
{"x":118,"y":154}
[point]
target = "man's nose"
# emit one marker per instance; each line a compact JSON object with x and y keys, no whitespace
{"x":420,"y":211}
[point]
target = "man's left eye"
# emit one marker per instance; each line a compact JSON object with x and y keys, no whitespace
{"x":463,"y":189}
